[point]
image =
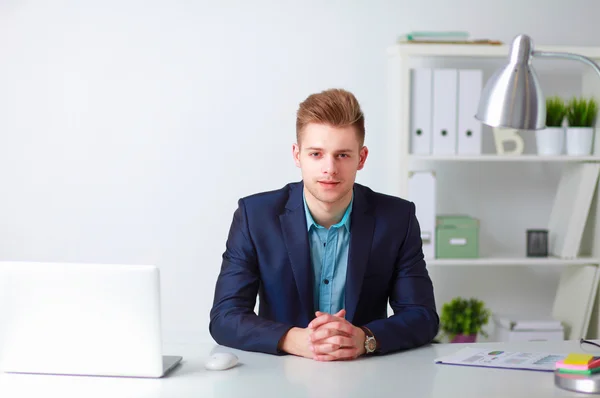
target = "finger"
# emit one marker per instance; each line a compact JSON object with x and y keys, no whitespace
{"x":332,"y":329}
{"x":322,"y":333}
{"x":330,"y":358}
{"x":321,"y":320}
{"x":339,"y":324}
{"x":341,"y":354}
{"x":341,"y":313}
{"x":331,"y":344}
{"x":323,"y":317}
{"x":320,"y":349}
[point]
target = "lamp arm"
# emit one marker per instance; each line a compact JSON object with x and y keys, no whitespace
{"x":576,"y":57}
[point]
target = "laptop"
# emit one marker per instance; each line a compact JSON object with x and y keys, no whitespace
{"x":81,"y":319}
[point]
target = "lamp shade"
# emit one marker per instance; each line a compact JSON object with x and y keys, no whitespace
{"x":512,"y":97}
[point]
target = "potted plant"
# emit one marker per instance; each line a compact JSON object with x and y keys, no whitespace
{"x":551,"y":140}
{"x":581,"y":116}
{"x":462,"y":319}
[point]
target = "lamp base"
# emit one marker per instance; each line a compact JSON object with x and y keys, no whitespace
{"x":580,"y":383}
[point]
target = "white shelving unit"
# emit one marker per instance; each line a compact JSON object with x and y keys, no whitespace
{"x":505,"y":158}
{"x":401,"y":59}
{"x":511,"y":261}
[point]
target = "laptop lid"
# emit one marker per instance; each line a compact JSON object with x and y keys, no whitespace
{"x":80,"y":319}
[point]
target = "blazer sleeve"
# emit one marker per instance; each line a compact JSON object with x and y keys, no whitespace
{"x":233,"y":322}
{"x":415,"y":321}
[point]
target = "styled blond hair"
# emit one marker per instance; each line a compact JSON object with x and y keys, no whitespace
{"x":334,"y":107}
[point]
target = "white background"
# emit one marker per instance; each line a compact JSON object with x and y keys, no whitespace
{"x":129,"y":129}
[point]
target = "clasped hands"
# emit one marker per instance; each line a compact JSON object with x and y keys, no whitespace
{"x":326,"y":338}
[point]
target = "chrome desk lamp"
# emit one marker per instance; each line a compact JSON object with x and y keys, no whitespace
{"x":512,"y":97}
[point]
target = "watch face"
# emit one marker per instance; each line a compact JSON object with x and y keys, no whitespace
{"x":371,"y":345}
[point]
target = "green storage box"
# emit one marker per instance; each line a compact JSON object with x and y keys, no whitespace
{"x":456,"y":236}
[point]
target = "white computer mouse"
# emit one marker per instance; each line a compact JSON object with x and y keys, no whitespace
{"x":221,"y":361}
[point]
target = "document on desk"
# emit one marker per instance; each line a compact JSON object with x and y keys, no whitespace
{"x":502,"y":359}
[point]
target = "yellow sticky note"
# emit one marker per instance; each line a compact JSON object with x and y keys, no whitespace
{"x":578,"y":359}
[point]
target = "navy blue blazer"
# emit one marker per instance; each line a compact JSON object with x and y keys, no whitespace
{"x":267,"y":253}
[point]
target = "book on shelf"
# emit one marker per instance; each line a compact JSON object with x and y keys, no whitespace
{"x":443,"y":37}
{"x":571,"y":208}
{"x":424,"y":35}
{"x":574,"y":299}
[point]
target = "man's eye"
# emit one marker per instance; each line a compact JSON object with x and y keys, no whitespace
{"x":343,"y":155}
{"x":313,"y":154}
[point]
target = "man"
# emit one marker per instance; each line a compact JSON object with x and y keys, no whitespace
{"x":325,"y":254}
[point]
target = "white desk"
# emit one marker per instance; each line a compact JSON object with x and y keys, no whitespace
{"x":405,"y":374}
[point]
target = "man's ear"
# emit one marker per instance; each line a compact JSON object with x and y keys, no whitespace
{"x":296,"y":154}
{"x":362,"y":157}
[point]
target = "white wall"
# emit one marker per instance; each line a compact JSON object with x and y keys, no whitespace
{"x":129,"y":129}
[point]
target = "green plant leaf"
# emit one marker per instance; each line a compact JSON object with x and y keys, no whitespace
{"x":582,"y":112}
{"x":556,"y":110}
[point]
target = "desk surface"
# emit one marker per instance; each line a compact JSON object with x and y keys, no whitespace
{"x":409,"y":374}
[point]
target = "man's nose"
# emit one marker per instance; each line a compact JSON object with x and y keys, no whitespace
{"x":329,"y":165}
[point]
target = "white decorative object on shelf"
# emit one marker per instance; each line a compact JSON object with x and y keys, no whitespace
{"x":502,"y":137}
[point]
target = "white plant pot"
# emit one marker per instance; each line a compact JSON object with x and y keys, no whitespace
{"x":550,"y":141}
{"x":579,"y":140}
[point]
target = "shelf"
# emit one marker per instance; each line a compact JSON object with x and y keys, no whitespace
{"x":511,"y":261}
{"x":480,"y":50}
{"x":505,"y":158}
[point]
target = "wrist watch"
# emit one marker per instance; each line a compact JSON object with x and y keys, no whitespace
{"x":370,"y":342}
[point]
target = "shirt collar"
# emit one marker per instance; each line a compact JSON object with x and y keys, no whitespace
{"x":345,"y":221}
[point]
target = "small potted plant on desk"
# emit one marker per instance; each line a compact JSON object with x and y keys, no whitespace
{"x":581,"y":116}
{"x":462,"y":319}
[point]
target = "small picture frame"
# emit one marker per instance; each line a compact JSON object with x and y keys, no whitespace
{"x":537,"y":243}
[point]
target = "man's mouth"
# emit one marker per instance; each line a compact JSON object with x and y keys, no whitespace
{"x":329,"y":182}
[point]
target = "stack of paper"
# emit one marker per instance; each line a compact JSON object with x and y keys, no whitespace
{"x":493,"y":358}
{"x":524,"y":322}
{"x":583,"y":364}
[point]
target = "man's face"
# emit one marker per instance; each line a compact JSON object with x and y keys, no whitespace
{"x":329,"y":158}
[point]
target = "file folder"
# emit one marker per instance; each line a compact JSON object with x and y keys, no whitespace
{"x":422,"y":192}
{"x":445,"y":87}
{"x":469,"y":128}
{"x":421,"y":97}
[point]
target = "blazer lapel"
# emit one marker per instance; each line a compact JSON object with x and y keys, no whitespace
{"x":295,"y":236}
{"x":361,"y":236}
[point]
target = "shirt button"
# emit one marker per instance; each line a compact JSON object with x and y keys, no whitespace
{"x":326,"y":281}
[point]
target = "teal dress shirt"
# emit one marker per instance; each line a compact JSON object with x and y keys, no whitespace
{"x":329,"y":259}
